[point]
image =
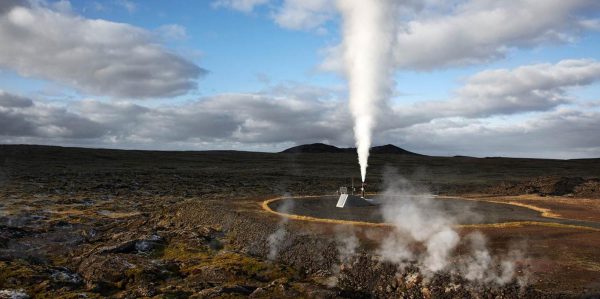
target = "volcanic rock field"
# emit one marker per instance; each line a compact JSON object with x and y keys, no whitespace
{"x":94,"y":223}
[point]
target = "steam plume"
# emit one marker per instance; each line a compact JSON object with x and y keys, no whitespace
{"x":276,"y":239}
{"x":418,"y":218}
{"x":368,"y":34}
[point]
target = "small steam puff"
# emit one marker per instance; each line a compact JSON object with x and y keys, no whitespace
{"x":346,"y":244}
{"x":480,"y":264}
{"x":368,"y":35}
{"x":275,"y":240}
{"x":419,"y":221}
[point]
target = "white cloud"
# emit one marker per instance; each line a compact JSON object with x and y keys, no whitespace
{"x":530,"y":88}
{"x":479,"y":31}
{"x":246,"y":6}
{"x":527,"y":88}
{"x":293,"y":114}
{"x":537,"y":87}
{"x":438,"y":34}
{"x":304,"y":14}
{"x":564,"y":133}
{"x":591,"y":24}
{"x":130,"y":6}
{"x":98,"y":6}
{"x":94,"y":56}
{"x":23,"y":117}
{"x":8,"y":100}
{"x":260,"y":118}
{"x":63,"y":6}
{"x":7,"y":5}
{"x":172,"y":32}
{"x":290,"y":14}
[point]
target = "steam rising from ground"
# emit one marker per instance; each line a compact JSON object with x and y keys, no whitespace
{"x":481,"y":266}
{"x":416,"y":218}
{"x":424,"y":235}
{"x":368,"y":33}
{"x":347,"y":243}
{"x":275,"y":240}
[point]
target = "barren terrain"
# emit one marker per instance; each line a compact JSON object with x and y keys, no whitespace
{"x":95,"y":222}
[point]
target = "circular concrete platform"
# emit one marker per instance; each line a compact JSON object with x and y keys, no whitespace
{"x":463,"y":211}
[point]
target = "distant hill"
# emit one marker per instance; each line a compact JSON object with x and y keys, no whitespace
{"x":326,"y":148}
{"x":314,"y":148}
{"x":391,"y":149}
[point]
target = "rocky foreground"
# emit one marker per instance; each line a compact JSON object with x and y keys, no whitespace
{"x":92,"y":224}
{"x":551,"y":186}
{"x":194,"y":249}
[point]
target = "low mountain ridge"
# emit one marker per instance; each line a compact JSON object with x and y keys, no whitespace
{"x":315,"y":148}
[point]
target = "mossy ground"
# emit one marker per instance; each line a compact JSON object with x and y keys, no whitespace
{"x":238,"y":268}
{"x":86,"y":199}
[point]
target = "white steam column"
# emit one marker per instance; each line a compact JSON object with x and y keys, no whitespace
{"x":369,"y":34}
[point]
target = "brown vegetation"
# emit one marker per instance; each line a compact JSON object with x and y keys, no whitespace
{"x":189,"y":224}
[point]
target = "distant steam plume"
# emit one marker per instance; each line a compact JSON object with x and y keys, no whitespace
{"x":368,"y":35}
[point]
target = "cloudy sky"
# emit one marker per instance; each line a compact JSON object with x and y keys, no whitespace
{"x":473,"y":77}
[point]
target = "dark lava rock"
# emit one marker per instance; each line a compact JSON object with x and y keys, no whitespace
{"x":90,"y":235}
{"x":10,"y":233}
{"x":108,"y":273}
{"x":149,"y":243}
{"x":213,"y":237}
{"x":143,"y":245}
{"x":557,"y":186}
{"x":354,"y":278}
{"x":123,"y":247}
{"x":279,"y":288}
{"x":61,"y":224}
{"x":65,"y":277}
{"x":212,"y":273}
{"x":13,"y":294}
{"x":220,"y":291}
{"x":146,"y":291}
{"x":23,"y":220}
{"x":105,"y":272}
{"x":588,"y":189}
{"x":316,"y":291}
